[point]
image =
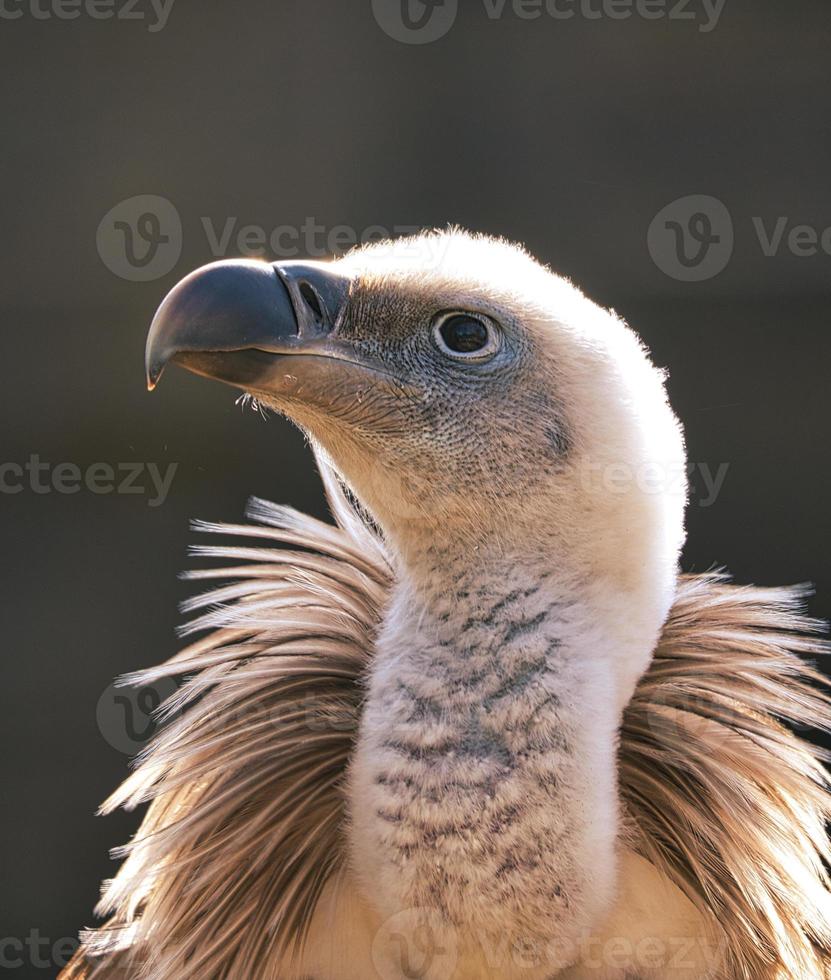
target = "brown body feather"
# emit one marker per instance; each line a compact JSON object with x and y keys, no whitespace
{"x":247,"y":814}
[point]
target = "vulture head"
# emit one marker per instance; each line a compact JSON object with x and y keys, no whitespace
{"x":480,"y":727}
{"x":475,"y":403}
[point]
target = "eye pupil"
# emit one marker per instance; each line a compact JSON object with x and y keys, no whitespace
{"x":464,"y":334}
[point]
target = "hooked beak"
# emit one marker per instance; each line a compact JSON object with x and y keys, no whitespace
{"x":233,"y":320}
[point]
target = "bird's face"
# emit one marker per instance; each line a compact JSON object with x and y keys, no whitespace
{"x":444,"y":407}
{"x":451,"y":380}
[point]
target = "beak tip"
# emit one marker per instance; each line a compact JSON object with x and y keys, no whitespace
{"x":153,"y":373}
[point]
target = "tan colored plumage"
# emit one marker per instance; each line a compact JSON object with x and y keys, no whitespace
{"x":502,"y":715}
{"x":246,"y":820}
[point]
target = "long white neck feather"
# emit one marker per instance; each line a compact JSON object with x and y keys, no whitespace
{"x":484,"y":786}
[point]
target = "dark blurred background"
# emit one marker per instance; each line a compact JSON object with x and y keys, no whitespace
{"x":319,"y":122}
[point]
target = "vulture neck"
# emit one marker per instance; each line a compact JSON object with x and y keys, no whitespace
{"x":484,"y":787}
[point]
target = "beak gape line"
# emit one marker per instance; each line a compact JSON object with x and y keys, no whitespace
{"x":234,"y":320}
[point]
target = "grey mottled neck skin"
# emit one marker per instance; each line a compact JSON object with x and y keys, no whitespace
{"x":483,"y":787}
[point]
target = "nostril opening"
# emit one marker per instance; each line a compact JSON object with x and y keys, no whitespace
{"x":312,"y":300}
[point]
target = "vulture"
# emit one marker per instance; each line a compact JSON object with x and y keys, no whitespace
{"x":480,"y":726}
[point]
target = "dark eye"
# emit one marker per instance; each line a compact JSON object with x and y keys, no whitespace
{"x":465,"y":335}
